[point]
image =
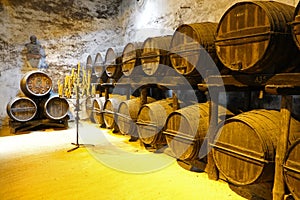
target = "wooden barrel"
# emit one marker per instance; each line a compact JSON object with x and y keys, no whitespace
{"x":99,"y":68}
{"x":21,"y":109}
{"x":155,"y":53}
{"x":112,"y":63}
{"x":56,"y":108}
{"x":89,"y":63}
{"x":97,"y":112}
{"x":151,"y":121}
{"x":36,"y":84}
{"x":131,"y":58}
{"x":296,"y":26}
{"x":255,"y":37}
{"x":193,"y":50}
{"x":245,"y":146}
{"x":292,"y":169}
{"x":127,"y":114}
{"x":110,"y":108}
{"x":186,"y":129}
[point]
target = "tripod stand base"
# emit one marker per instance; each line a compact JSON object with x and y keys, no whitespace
{"x":80,"y":145}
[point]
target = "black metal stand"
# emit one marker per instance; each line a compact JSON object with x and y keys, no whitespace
{"x":77,"y":109}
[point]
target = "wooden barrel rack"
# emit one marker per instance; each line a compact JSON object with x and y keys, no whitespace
{"x":283,"y":84}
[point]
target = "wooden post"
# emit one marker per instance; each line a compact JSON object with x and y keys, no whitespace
{"x":128,"y":92}
{"x":144,"y":95}
{"x":212,"y":170}
{"x":282,"y":145}
{"x":106,"y":93}
{"x":175,"y":101}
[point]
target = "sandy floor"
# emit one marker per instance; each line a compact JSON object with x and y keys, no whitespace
{"x":38,"y":165}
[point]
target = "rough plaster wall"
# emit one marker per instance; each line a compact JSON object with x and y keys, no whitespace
{"x":161,"y":17}
{"x":70,"y":30}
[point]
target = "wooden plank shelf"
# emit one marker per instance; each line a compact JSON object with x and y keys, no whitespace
{"x":284,"y":84}
{"x":236,"y":82}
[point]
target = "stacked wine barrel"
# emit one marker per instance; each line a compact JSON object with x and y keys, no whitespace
{"x":252,"y":38}
{"x":37,"y":105}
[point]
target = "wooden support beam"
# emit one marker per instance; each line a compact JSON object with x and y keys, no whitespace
{"x":144,"y":94}
{"x":279,"y":184}
{"x":175,"y":101}
{"x":212,"y":170}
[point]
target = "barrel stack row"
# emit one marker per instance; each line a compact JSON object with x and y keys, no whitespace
{"x":252,"y":38}
{"x":37,"y":105}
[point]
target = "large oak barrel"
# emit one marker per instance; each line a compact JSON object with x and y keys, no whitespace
{"x":56,"y":107}
{"x":296,"y":26}
{"x":36,"y":84}
{"x":151,"y":121}
{"x":97,"y":110}
{"x":21,"y":109}
{"x":193,"y":50}
{"x":186,"y":129}
{"x":155,"y":53}
{"x":245,"y":146}
{"x":99,"y":68}
{"x":112,"y":63}
{"x":292,"y":169}
{"x":110,"y":108}
{"x":127,"y":114}
{"x":131,"y":58}
{"x":89,"y":63}
{"x":254,"y":37}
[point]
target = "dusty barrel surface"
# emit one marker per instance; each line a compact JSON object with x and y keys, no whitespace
{"x":21,"y":109}
{"x":296,"y":26}
{"x":131,"y":57}
{"x":97,"y":110}
{"x":292,"y":169}
{"x":193,"y":50}
{"x":151,"y":121}
{"x":127,"y":114}
{"x":244,"y":149}
{"x":36,"y":84}
{"x":111,"y":106}
{"x":56,"y":107}
{"x":112,"y":63}
{"x":186,"y":129}
{"x":254,"y":37}
{"x":155,"y":55}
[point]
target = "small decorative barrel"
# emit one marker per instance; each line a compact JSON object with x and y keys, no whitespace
{"x":245,"y":146}
{"x":127,"y":115}
{"x":292,"y":169}
{"x":56,"y":108}
{"x":255,"y":37}
{"x":155,"y":55}
{"x":113,"y":63}
{"x":36,"y":84}
{"x":151,"y":121}
{"x":97,"y":111}
{"x":131,"y":58}
{"x":21,"y":109}
{"x":193,"y":50}
{"x":186,"y":129}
